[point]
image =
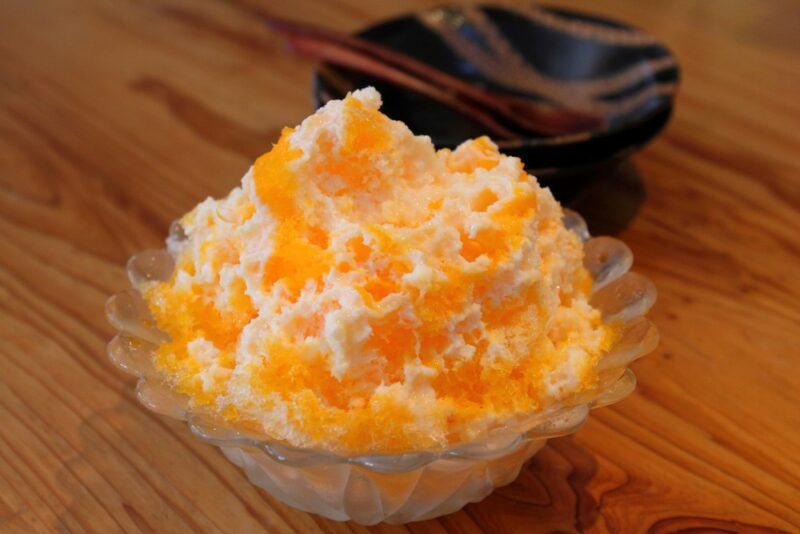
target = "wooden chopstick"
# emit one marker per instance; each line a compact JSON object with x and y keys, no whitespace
{"x":530,"y":116}
{"x":349,"y":58}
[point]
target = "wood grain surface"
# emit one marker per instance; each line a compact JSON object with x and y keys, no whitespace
{"x":117,"y":116}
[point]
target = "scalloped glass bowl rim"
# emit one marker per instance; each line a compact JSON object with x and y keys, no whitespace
{"x":560,"y":419}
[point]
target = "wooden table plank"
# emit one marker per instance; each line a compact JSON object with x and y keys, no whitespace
{"x":115,"y":117}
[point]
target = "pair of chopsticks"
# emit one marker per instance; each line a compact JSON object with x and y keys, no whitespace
{"x":520,"y":117}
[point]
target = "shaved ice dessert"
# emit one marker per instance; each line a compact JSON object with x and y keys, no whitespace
{"x":364,"y":292}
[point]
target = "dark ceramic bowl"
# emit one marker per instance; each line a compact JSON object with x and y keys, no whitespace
{"x":561,"y":57}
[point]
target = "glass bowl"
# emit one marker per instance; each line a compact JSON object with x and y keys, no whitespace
{"x":395,"y":488}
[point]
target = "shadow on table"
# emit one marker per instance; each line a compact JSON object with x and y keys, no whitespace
{"x":609,"y":201}
{"x":550,"y":494}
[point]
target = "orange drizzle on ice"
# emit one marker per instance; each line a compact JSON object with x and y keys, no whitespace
{"x":406,"y":326}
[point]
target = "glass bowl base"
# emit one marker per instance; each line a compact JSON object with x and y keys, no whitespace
{"x":350,"y":492}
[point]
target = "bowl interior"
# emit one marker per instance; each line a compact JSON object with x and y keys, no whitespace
{"x":560,"y":57}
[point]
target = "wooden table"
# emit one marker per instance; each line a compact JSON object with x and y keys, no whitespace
{"x":115,"y":117}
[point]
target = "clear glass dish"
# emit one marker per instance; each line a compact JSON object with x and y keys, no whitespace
{"x":396,"y":488}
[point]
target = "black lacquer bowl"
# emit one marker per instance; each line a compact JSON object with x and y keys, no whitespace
{"x":561,"y":57}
